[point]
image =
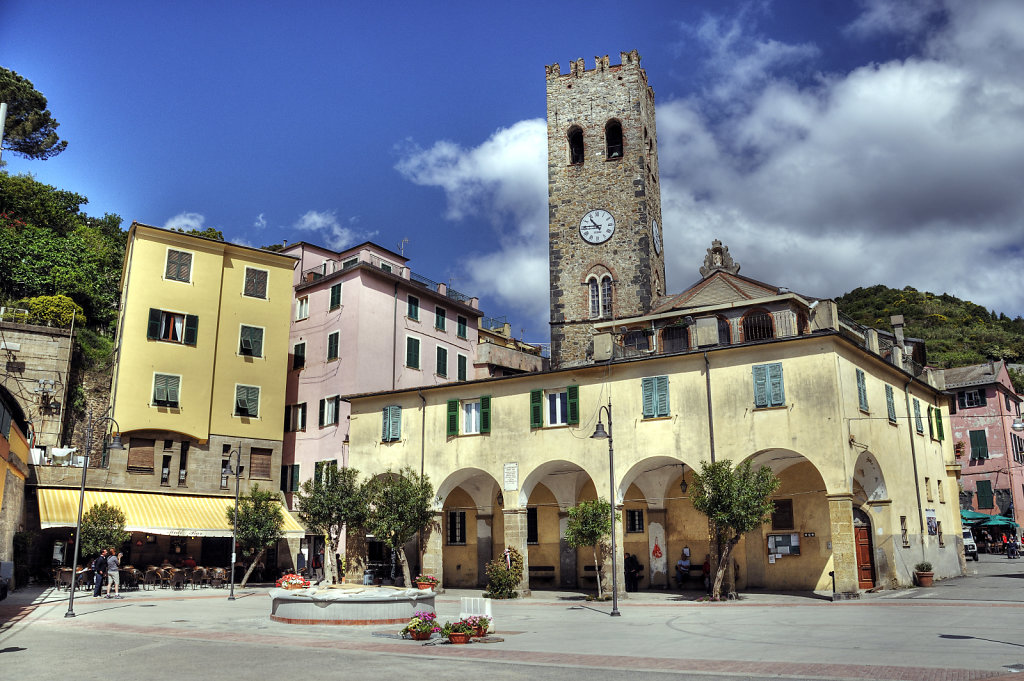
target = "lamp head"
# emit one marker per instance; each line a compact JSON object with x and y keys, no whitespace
{"x":1018,"y":425}
{"x":599,"y":432}
{"x":115,"y":442}
{"x":682,"y":481}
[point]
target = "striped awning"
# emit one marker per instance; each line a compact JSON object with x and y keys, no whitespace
{"x":168,"y":514}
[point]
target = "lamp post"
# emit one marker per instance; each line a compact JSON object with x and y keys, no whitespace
{"x":115,"y":443}
{"x":237,"y":470}
{"x":600,"y":434}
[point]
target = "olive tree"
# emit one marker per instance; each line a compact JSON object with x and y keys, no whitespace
{"x":328,"y":504}
{"x":399,"y":504}
{"x":590,"y":524}
{"x":102,"y":527}
{"x":260,"y":521}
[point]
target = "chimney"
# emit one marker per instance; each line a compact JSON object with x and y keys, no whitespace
{"x":897,"y":328}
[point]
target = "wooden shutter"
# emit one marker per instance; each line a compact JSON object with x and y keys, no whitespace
{"x":982,"y":396}
{"x":931,"y":427}
{"x":647,"y":397}
{"x":385,"y":424}
{"x":485,"y":414}
{"x":285,"y":479}
{"x":984,"y":488}
{"x":777,"y":392}
{"x":336,"y":296}
{"x":661,"y":404}
{"x":961,"y":398}
{"x":536,"y":408}
{"x":153,"y":329}
{"x":890,"y":404}
{"x":573,"y":395}
{"x":255,"y":283}
{"x":917,"y":417}
{"x":979,"y":444}
{"x":453,"y":418}
{"x":862,"y":391}
{"x":299,"y":356}
{"x":295,"y":477}
{"x":191,"y":329}
{"x":140,"y":455}
{"x":939,"y":433}
{"x":442,"y":362}
{"x":318,"y":472}
{"x":462,"y":367}
{"x":323,"y":408}
{"x":259,"y":463}
{"x":761,"y":385}
{"x":160,"y":388}
{"x":396,"y":423}
{"x":412,"y":353}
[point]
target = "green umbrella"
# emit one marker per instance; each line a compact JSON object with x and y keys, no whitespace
{"x":973,"y":515}
{"x":999,"y":520}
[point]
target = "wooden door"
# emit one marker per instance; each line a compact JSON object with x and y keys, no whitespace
{"x":865,"y":566}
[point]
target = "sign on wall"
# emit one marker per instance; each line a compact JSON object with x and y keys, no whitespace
{"x":511,"y":477}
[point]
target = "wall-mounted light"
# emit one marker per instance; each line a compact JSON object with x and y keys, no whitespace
{"x":682,"y":481}
{"x":1018,"y":425}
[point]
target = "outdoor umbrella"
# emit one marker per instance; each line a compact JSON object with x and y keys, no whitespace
{"x":999,"y":520}
{"x":973,"y":516}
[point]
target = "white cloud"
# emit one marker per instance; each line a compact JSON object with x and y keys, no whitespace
{"x":260,"y":222}
{"x":186,"y":220}
{"x":334,"y":234}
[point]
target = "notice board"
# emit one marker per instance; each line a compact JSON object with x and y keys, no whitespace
{"x":784,"y":544}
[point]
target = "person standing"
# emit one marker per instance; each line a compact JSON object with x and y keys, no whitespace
{"x":114,"y":573}
{"x":632,"y":571}
{"x":99,"y":570}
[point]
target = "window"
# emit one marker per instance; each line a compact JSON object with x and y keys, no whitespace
{"x":325,"y":472}
{"x":903,"y":531}
{"x":290,"y":478}
{"x":140,"y":455}
{"x":336,"y":296}
{"x":931,"y":428}
{"x":985,"y":498}
{"x":255,"y":283}
{"x":456,"y":528}
{"x":637,"y":340}
{"x":251,"y":341}
{"x":439,"y":319}
{"x":1017,"y":443}
{"x":918,"y":425}
{"x":1009,"y":405}
{"x":782,"y":515}
{"x":890,"y":404}
{"x":299,"y":356}
{"x":460,"y":326}
{"x":412,"y":310}
{"x":675,"y":339}
{"x":724,"y":331}
{"x":600,"y":296}
{"x":295,"y":417}
{"x":247,"y":400}
{"x":412,"y":352}
{"x":862,"y":391}
{"x":971,"y":398}
{"x":172,"y":327}
{"x":165,"y":390}
{"x":179,"y":265}
{"x":531,"y":526}
{"x":758,"y":326}
{"x":332,"y":345}
{"x":165,"y":470}
{"x":979,"y":444}
{"x":634,"y":520}
{"x":613,"y":139}
{"x":928,"y":488}
{"x":391,"y":430}
{"x":768,"y":386}
{"x":575,"y":137}
{"x":939,"y":433}
{"x":183,"y":465}
{"x":475,"y":416}
{"x":938,"y":530}
{"x":942,"y":497}
{"x":442,"y":362}
{"x":329,"y":411}
{"x":302,"y":308}
{"x":654,"y":391}
{"x":386,"y":266}
{"x":463,"y":363}
{"x":562,"y":407}
{"x":259,"y":463}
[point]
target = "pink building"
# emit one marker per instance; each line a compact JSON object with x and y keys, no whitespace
{"x":982,"y":410}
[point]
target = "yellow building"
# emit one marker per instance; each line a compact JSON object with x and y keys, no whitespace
{"x":200,"y":366}
{"x":730,"y":369}
{"x":14,"y":458}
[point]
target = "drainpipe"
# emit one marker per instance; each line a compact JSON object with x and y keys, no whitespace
{"x":711,"y":420}
{"x":394,"y":341}
{"x":913,"y":458}
{"x":423,"y":456}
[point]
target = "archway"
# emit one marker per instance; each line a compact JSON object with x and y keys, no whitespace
{"x":471,"y":524}
{"x":865,"y":553}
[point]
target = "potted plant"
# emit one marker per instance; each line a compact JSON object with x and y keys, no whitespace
{"x":458,"y":632}
{"x":421,"y":626}
{"x":923,"y":573}
{"x":480,"y":624}
{"x":426,"y":581}
{"x":959,"y":448}
{"x":292,"y":581}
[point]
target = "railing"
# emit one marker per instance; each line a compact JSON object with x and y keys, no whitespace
{"x":420,"y":279}
{"x":13,"y":314}
{"x":493,"y":322}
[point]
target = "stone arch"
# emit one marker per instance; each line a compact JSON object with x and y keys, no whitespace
{"x":471,"y":523}
{"x":575,"y":145}
{"x":614,"y":139}
{"x":757,"y":324}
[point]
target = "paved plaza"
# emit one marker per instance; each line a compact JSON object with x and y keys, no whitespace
{"x":965,"y":628}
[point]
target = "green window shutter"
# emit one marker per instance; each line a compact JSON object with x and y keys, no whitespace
{"x":253,"y":400}
{"x":284,"y":479}
{"x":931,"y":426}
{"x":938,"y":425}
{"x":295,"y":477}
{"x":460,"y":326}
{"x":979,"y":444}
{"x":412,"y":353}
{"x":862,"y":391}
{"x":172,"y":383}
{"x":332,"y":345}
{"x":984,"y":488}
{"x":257,"y":341}
{"x":661,"y":404}
{"x":413,"y":311}
{"x":890,"y":404}
{"x":776,"y":389}
{"x":917,"y":417}
{"x":442,"y":362}
{"x":485,"y":414}
{"x":153,"y":329}
{"x":761,"y":385}
{"x":573,"y":395}
{"x":647,"y":396}
{"x":536,"y":408}
{"x":336,"y":296}
{"x":396,"y":423}
{"x":323,"y":407}
{"x":453,"y":418}
{"x":385,"y":420}
{"x":462,"y":367}
{"x":160,"y":388}
{"x":191,"y":329}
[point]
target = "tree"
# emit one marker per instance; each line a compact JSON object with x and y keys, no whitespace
{"x":31,"y":130}
{"x":102,"y":527}
{"x":260,"y":520}
{"x":590,"y":524}
{"x":736,"y":501}
{"x":328,"y":504}
{"x":59,"y":311}
{"x":206,"y":233}
{"x":398,"y":506}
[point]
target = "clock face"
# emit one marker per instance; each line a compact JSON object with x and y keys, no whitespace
{"x":657,"y":236}
{"x":597,"y":226}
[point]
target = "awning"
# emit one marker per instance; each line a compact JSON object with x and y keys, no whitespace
{"x":972,"y":516}
{"x":168,"y":514}
{"x":999,"y":520}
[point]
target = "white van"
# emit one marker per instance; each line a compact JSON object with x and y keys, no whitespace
{"x":970,"y":547}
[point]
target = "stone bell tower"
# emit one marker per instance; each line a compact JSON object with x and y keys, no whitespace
{"x":605,"y":248}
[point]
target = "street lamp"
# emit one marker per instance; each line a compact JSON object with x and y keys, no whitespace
{"x":1017,"y":425}
{"x":115,"y":443}
{"x":600,"y":434}
{"x":236,"y":469}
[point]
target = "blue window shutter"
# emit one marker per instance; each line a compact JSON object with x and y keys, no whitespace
{"x":777,"y":392}
{"x":862,"y":391}
{"x":661,"y":402}
{"x":452,"y":422}
{"x":890,"y":404}
{"x":485,"y":414}
{"x":153,"y":329}
{"x":385,"y":419}
{"x":536,"y":408}
{"x":647,"y":393}
{"x":573,"y":394}
{"x":761,"y":385}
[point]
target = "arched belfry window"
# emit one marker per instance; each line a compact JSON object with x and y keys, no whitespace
{"x":757,"y":325}
{"x":724,"y":332}
{"x":600,"y":296}
{"x":613,"y":139}
{"x":675,"y":339}
{"x":575,"y":136}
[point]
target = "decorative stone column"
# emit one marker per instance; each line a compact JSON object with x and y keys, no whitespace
{"x":515,"y":537}
{"x":883,"y":545}
{"x":433,"y":550}
{"x":844,"y":546}
{"x":484,"y":546}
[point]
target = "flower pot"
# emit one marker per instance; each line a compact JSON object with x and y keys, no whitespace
{"x":424,"y":585}
{"x":420,"y":635}
{"x":293,"y":587}
{"x":458,"y":637}
{"x":480,"y":631}
{"x":924,"y":578}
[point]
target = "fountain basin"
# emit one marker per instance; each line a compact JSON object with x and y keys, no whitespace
{"x":349,"y":604}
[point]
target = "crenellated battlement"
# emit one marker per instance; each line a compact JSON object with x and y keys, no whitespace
{"x":577,"y":67}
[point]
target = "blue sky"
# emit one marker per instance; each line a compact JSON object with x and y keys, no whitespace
{"x":829,"y":144}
